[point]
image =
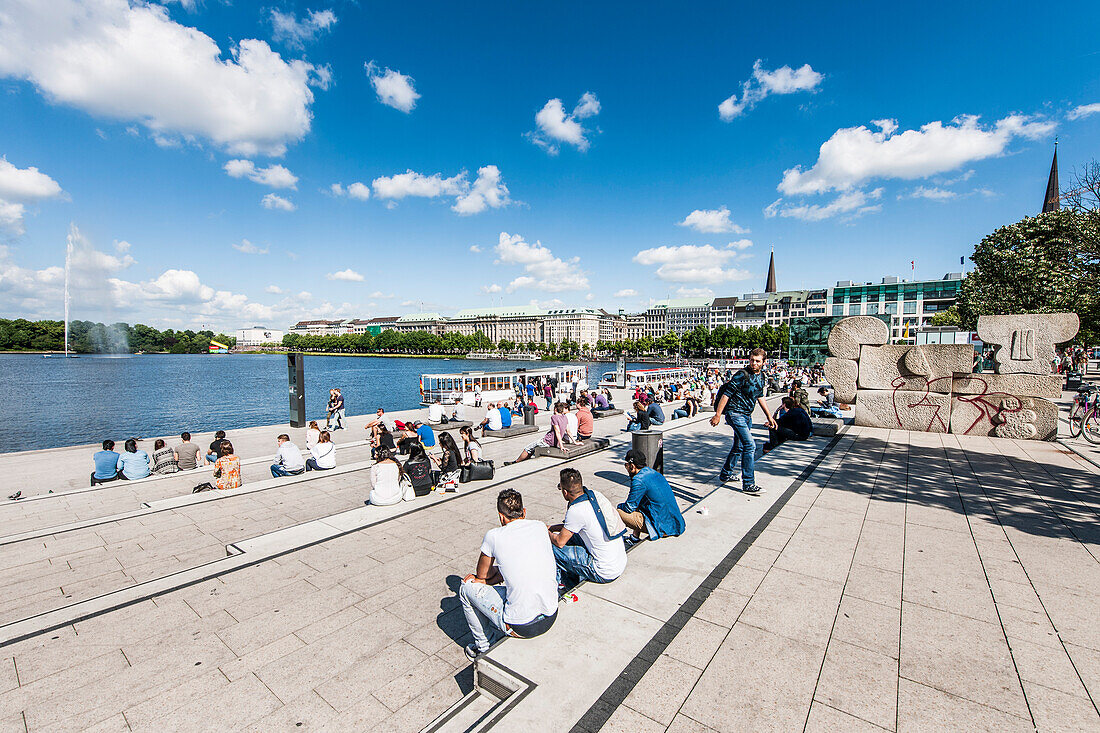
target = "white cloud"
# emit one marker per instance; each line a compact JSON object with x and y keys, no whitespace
{"x":488,"y":191}
{"x":1084,"y":110}
{"x":763,"y":83}
{"x":933,"y":193}
{"x":691,"y":263}
{"x":380,"y":295}
{"x":132,"y":62}
{"x":26,"y":184}
{"x":250,"y":249}
{"x":626,"y":293}
{"x":411,"y":183}
{"x":555,"y":126}
{"x":854,"y":155}
{"x":288,"y":29}
{"x":348,"y":275}
{"x":490,"y":289}
{"x":274,"y":290}
{"x":694,"y":292}
{"x":274,"y":201}
{"x":274,"y":176}
{"x":475,"y":249}
{"x":711,"y":221}
{"x":11,"y":218}
{"x":393,"y":88}
{"x":359,"y":191}
{"x":543,"y":270}
{"x":336,"y":189}
{"x":854,"y":203}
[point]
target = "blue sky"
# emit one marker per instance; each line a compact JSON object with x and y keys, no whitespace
{"x":557,"y":153}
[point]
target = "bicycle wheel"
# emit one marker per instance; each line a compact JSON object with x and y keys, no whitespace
{"x":1075,"y":420}
{"x":1090,"y":426}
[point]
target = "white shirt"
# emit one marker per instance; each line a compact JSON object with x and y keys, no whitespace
{"x":289,"y":457}
{"x":523,"y":555}
{"x":608,"y":556}
{"x":571,"y":427}
{"x":324,"y":454}
{"x":312,"y":436}
{"x":495,"y":422}
{"x":435,"y":412}
{"x":385,"y":484}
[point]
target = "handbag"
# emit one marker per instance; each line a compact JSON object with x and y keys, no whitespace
{"x":204,"y":486}
{"x":477,"y":471}
{"x":408,"y":493}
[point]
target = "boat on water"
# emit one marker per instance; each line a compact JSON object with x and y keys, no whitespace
{"x":732,"y":365}
{"x":485,"y":355}
{"x":522,"y":356}
{"x":658,"y":375}
{"x":459,"y":387}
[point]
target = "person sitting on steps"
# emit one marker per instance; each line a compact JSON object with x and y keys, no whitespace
{"x":588,"y":544}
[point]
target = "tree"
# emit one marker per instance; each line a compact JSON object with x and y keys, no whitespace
{"x":949,"y":317}
{"x":1084,"y":193}
{"x":1042,"y":264}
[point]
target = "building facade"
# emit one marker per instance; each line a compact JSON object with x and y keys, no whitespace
{"x":581,"y":325}
{"x":429,"y":322}
{"x":909,"y":304}
{"x":258,"y":336}
{"x":520,"y":324}
{"x":321,"y":328}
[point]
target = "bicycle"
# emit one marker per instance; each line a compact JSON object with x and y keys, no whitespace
{"x":1080,"y":406}
{"x":1090,"y":420}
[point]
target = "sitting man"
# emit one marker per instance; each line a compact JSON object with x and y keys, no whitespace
{"x":379,"y":419}
{"x":106,"y":464}
{"x":505,"y":415}
{"x":799,"y":396}
{"x":425,"y":434}
{"x":650,"y":506}
{"x":656,"y":414}
{"x":600,"y":402}
{"x":600,"y":554}
{"x":557,"y":436}
{"x":794,"y":424}
{"x":435,"y":412}
{"x":517,"y":554}
{"x":584,"y":419}
{"x":492,"y":419}
{"x":571,"y":424}
{"x":288,"y":459}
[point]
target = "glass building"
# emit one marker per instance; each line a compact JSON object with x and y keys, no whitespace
{"x":809,"y":340}
{"x":908,"y":304}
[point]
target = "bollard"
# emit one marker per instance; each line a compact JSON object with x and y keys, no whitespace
{"x":528,"y":415}
{"x":651,"y":442}
{"x":296,"y":381}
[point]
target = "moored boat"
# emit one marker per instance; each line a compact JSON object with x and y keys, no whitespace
{"x":464,"y":387}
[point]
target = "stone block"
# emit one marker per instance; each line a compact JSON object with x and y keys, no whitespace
{"x":825,"y":427}
{"x":1021,"y":385}
{"x":913,"y":368}
{"x":850,"y":333}
{"x":1025,"y":343}
{"x":841,"y":375}
{"x":903,"y":410}
{"x":1004,"y":416}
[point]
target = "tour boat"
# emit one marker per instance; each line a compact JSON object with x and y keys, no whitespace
{"x":458,"y":387}
{"x":659,"y":375}
{"x":484,"y":355}
{"x":522,"y":356}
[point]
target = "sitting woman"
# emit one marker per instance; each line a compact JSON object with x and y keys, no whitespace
{"x":133,"y":463}
{"x":450,"y":464}
{"x":382,"y":438}
{"x":385,"y":480}
{"x":557,"y":437}
{"x":313,"y":434}
{"x":227,"y":469}
{"x":472,"y":448}
{"x":165,"y":460}
{"x":639,"y":419}
{"x":323,"y":454}
{"x":419,"y":469}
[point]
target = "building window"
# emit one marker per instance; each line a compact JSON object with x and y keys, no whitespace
{"x":891,"y":309}
{"x":855,"y":309}
{"x":910,"y":307}
{"x":872,"y":309}
{"x":838,"y":310}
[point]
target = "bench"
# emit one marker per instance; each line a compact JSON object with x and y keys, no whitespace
{"x":826,"y":427}
{"x":613,"y":629}
{"x":452,"y":425}
{"x":589,"y":445}
{"x":606,"y":413}
{"x":514,"y":430}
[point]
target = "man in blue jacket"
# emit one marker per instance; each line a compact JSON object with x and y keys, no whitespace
{"x":656,"y":414}
{"x":650,"y":506}
{"x":737,"y":399}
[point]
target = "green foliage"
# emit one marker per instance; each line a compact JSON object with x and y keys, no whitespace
{"x":86,"y":337}
{"x":949,"y":317}
{"x":1042,"y":264}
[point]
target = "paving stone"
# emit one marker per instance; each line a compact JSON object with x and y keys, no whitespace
{"x":795,"y":606}
{"x":663,"y":689}
{"x":697,"y":642}
{"x":824,"y":719}
{"x":1056,"y":710}
{"x":722,"y":607}
{"x":923,"y":708}
{"x":625,"y":720}
{"x":868,"y":625}
{"x":859,"y":682}
{"x":684,"y":724}
{"x":305,"y":713}
{"x":871,"y":583}
{"x":407,"y":687}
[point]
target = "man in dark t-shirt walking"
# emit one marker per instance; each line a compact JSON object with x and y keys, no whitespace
{"x":737,"y":399}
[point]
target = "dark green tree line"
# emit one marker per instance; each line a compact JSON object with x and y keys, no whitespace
{"x":86,"y":337}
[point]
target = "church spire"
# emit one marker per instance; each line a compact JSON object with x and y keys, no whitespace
{"x":770,"y":287}
{"x":1051,"y":200}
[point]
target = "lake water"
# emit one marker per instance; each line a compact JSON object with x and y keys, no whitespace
{"x":55,"y":402}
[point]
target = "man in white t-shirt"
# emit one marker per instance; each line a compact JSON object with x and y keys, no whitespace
{"x":600,"y":554}
{"x":492,"y":420}
{"x":435,"y":412}
{"x":571,"y":424}
{"x":517,"y":554}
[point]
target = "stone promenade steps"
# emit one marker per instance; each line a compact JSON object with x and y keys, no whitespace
{"x":550,"y":682}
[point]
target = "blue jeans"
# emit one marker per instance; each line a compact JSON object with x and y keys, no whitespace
{"x":633,"y":425}
{"x":743,"y":446}
{"x":483,"y":606}
{"x":277,"y":470}
{"x":336,"y":416}
{"x":575,"y":564}
{"x":678,"y":413}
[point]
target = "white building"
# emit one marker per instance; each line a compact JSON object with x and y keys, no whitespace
{"x":258,"y":336}
{"x":581,"y":325}
{"x":321,"y":328}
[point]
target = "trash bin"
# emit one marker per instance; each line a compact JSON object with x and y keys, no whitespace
{"x":1073,"y":380}
{"x":650,"y":442}
{"x":528,"y":415}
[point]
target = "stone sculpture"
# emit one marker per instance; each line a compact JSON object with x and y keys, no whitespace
{"x":932,"y":388}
